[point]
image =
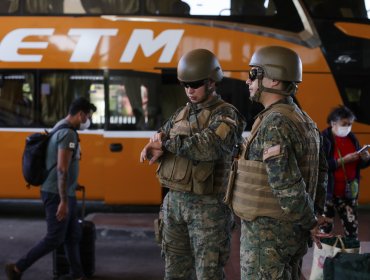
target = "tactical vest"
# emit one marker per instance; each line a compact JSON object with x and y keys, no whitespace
{"x":182,"y":174}
{"x":248,"y":192}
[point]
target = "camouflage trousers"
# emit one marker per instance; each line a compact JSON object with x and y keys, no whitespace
{"x":271,"y":249}
{"x":196,"y":236}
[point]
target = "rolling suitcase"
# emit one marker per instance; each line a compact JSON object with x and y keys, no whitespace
{"x":87,"y":248}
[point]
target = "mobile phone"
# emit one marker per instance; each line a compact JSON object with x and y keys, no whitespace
{"x":363,"y":149}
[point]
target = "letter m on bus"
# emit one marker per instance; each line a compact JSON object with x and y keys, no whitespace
{"x":168,"y":40}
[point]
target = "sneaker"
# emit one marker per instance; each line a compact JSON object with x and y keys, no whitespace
{"x":11,"y":273}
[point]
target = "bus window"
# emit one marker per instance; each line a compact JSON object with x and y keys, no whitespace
{"x":9,"y":6}
{"x":280,"y":14}
{"x":172,"y":94}
{"x":277,"y":14}
{"x":110,"y":7}
{"x":59,"y":89}
{"x":236,"y":92}
{"x":16,"y":99}
{"x":97,"y":97}
{"x":133,"y":101}
{"x":43,"y":6}
{"x":211,"y":8}
{"x":356,"y":95}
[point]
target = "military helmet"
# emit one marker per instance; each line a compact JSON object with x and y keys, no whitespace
{"x":278,"y":63}
{"x":199,"y":64}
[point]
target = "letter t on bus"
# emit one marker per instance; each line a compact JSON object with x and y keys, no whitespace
{"x":89,"y":39}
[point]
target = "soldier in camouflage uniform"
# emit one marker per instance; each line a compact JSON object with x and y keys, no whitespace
{"x":194,"y":150}
{"x":279,"y":188}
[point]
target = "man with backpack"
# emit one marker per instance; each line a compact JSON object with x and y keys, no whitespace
{"x":58,"y":193}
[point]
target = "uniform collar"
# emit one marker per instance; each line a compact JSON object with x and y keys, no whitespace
{"x":288,"y":100}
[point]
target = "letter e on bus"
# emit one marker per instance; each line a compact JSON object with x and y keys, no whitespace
{"x":13,"y":41}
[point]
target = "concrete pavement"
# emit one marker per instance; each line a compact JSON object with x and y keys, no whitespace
{"x":125,"y":246}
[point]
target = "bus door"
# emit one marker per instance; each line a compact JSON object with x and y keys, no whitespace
{"x":132,"y":117}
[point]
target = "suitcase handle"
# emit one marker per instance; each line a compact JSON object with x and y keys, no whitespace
{"x":83,"y":208}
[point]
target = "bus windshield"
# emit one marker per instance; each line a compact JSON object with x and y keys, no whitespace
{"x":339,"y":9}
{"x":221,"y":9}
{"x":279,"y":13}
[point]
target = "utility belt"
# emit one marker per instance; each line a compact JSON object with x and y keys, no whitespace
{"x":181,"y":174}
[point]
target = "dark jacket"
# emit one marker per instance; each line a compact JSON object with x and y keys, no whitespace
{"x":329,"y":146}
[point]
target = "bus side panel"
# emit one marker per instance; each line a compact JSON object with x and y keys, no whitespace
{"x":317,"y":95}
{"x":92,"y":165}
{"x":233,"y":48}
{"x":127,"y":181}
{"x":13,"y":184}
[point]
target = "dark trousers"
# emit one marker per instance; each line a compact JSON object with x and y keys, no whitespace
{"x":347,"y":212}
{"x":67,"y":231}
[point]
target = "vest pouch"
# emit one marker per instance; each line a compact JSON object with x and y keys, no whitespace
{"x":252,"y":196}
{"x":175,"y":169}
{"x":203,"y":178}
{"x":158,"y":227}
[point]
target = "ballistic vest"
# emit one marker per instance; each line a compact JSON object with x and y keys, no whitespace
{"x":182,"y":174}
{"x":249,"y":193}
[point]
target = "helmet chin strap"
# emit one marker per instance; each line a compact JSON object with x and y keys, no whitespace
{"x":291,"y":90}
{"x":208,"y":91}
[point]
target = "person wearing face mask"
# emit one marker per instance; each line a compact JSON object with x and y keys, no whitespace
{"x":194,"y":150}
{"x":58,"y":193}
{"x":341,"y":148}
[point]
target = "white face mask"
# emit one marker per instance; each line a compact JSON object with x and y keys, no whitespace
{"x":85,"y":125}
{"x":343,"y":131}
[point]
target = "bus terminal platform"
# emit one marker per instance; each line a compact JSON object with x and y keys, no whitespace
{"x":125,"y":245}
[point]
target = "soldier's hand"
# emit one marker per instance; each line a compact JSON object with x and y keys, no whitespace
{"x":316,"y":233}
{"x":322,"y":220}
{"x":144,"y":153}
{"x":158,"y":137}
{"x":155,"y":155}
{"x":152,"y":152}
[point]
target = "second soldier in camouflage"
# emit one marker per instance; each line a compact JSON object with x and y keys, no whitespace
{"x":194,"y":149}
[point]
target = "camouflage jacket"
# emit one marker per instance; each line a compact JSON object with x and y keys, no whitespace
{"x":281,"y":146}
{"x":215,"y":142}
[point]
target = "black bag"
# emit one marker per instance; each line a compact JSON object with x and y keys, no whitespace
{"x":347,"y":266}
{"x":34,"y":156}
{"x":87,"y":248}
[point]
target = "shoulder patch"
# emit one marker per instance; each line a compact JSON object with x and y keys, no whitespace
{"x":222,"y":130}
{"x":271,"y":152}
